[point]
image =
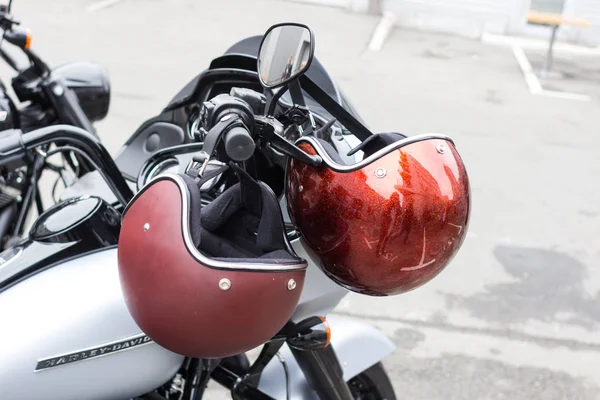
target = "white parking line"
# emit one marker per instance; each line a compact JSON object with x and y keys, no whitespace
{"x":533,"y":82}
{"x":535,"y":87}
{"x":382,"y":30}
{"x":99,"y":5}
{"x":566,"y":95}
{"x":538,"y":44}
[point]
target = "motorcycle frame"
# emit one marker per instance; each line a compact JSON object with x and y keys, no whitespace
{"x":311,"y":349}
{"x":31,"y":193}
{"x":320,"y":366}
{"x":63,"y":101}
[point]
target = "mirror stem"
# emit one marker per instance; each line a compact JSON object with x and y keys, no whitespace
{"x":273,"y":99}
{"x":296,"y":93}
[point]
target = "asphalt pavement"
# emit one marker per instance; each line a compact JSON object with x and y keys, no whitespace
{"x":517,"y":313}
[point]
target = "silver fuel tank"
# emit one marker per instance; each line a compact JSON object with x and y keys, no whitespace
{"x":65,"y":332}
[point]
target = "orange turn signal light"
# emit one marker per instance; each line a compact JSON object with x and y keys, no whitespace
{"x":27,"y":39}
{"x":327,"y":330}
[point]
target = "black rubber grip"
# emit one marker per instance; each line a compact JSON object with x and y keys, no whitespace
{"x":239,"y":145}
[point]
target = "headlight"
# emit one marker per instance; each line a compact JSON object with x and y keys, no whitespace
{"x":91,"y":84}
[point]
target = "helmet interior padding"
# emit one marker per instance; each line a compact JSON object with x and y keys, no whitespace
{"x":244,"y":222}
{"x":192,"y":288}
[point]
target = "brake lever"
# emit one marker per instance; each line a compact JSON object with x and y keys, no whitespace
{"x":319,"y":132}
{"x":266,"y":131}
{"x":279,"y":143}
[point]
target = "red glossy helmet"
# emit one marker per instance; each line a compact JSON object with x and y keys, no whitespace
{"x":210,"y":282}
{"x":389,"y":223}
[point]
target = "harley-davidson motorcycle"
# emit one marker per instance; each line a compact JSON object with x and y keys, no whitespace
{"x":66,"y":330}
{"x":76,"y":93}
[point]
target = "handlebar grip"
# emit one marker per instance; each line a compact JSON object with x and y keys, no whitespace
{"x":239,"y":145}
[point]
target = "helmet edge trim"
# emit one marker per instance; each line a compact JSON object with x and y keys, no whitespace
{"x":374,"y":157}
{"x":197,"y":255}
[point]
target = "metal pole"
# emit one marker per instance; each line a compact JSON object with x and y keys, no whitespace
{"x":548,"y":63}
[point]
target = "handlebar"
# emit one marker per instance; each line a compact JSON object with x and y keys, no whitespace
{"x":231,"y":120}
{"x":20,"y":38}
{"x":14,"y":146}
{"x":240,"y":146}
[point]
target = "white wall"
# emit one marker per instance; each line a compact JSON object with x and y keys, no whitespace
{"x":590,"y":10}
{"x":464,"y":17}
{"x":474,"y":17}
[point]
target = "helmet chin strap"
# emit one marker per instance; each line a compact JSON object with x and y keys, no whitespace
{"x":251,"y":193}
{"x":202,"y":175}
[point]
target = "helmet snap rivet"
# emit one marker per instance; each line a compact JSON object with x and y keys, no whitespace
{"x":224,"y":284}
{"x":440,"y":148}
{"x":291,"y":284}
{"x":146,"y":227}
{"x":300,"y":188}
{"x":380,"y":172}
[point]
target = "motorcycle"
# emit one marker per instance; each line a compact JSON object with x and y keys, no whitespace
{"x":67,"y":332}
{"x":77,"y":93}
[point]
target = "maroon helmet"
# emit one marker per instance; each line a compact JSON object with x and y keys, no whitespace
{"x":207,"y":282}
{"x":388,"y":223}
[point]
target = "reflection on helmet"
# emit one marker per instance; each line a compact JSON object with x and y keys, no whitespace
{"x":388,"y":224}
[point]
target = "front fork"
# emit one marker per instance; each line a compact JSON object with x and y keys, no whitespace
{"x":68,"y":111}
{"x":66,"y":105}
{"x":323,"y":372}
{"x":314,"y":354}
{"x":320,"y":367}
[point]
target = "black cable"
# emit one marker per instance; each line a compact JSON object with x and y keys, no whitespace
{"x":53,"y":168}
{"x":38,"y":200}
{"x":54,"y":189}
{"x":287,"y":376}
{"x":66,"y":148}
{"x":58,"y":169}
{"x":92,"y":147}
{"x":33,"y":175}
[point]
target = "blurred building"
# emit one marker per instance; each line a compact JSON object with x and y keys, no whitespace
{"x":474,"y":17}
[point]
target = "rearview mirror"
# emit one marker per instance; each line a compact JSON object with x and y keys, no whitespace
{"x":285,"y":53}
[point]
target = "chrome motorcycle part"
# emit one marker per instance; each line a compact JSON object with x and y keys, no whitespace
{"x":81,"y":218}
{"x":285,"y":53}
